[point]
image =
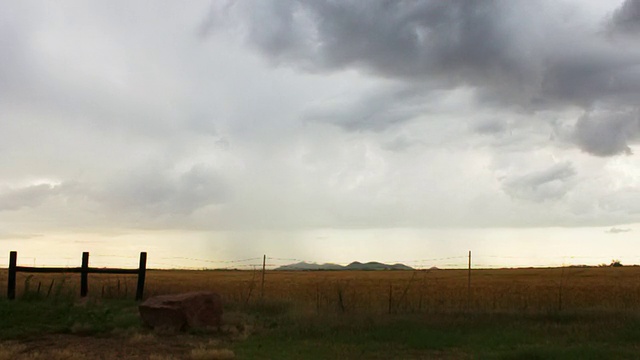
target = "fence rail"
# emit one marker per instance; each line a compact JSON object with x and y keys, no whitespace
{"x":84,"y":271}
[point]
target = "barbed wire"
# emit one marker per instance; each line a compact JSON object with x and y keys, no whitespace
{"x":479,"y":261}
{"x":285,"y":259}
{"x":211,"y":261}
{"x":114,"y":256}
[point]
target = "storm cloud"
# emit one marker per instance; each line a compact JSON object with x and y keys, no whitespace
{"x":532,"y":56}
{"x":627,"y":18}
{"x":284,"y":115}
{"x":452,"y":42}
{"x":609,"y":133}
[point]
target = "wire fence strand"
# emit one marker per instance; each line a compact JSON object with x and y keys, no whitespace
{"x":479,"y":261}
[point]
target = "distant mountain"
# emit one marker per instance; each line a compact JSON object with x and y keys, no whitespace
{"x":373,"y":265}
{"x":353,"y":266}
{"x":310,"y":266}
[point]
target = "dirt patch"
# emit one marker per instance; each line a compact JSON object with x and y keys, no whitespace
{"x":151,"y":346}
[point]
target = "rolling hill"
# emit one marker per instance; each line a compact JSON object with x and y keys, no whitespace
{"x":373,"y":265}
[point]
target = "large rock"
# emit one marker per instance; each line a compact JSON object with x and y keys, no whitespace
{"x":182,"y":311}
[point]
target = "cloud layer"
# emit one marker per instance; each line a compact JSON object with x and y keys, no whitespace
{"x":288,"y":115}
{"x":531,"y":56}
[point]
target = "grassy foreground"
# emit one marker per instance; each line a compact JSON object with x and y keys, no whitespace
{"x":61,"y":329}
{"x":451,"y":336}
{"x":565,"y":313}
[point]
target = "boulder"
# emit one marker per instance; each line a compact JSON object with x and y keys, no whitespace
{"x":182,"y":311}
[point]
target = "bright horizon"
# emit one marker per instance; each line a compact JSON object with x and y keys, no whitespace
{"x":319,"y":131}
{"x":491,"y":248}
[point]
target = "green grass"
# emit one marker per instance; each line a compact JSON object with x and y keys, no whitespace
{"x":455,"y":336}
{"x":284,"y":333}
{"x":57,"y":310}
{"x":32,"y":317}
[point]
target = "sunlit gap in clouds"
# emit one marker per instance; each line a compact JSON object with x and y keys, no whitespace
{"x":421,"y":249}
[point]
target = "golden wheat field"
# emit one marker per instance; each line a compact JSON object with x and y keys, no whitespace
{"x":501,"y":290}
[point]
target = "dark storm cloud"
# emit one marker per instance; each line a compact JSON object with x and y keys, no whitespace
{"x":609,"y":133}
{"x":583,"y":76}
{"x":548,"y":184}
{"x":146,"y":120}
{"x":627,"y":18}
{"x":531,"y":55}
{"x":453,"y":40}
{"x":444,"y":44}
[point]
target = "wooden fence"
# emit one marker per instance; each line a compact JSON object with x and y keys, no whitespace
{"x":84,"y":271}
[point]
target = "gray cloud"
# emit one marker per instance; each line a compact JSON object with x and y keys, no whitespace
{"x":374,"y":111}
{"x":28,"y":196}
{"x":445,"y":43}
{"x":593,"y":71}
{"x":427,"y":39}
{"x":627,"y":18}
{"x":15,"y":60}
{"x":400,"y":143}
{"x":607,"y":133}
{"x":615,"y":230}
{"x":491,"y":126}
{"x":164,"y":192}
{"x":521,"y":54}
{"x":625,"y":200}
{"x":548,"y":184}
{"x":149,"y":121}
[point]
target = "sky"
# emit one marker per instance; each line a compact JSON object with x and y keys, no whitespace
{"x":328,"y":131}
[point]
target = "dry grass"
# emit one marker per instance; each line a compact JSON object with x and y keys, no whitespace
{"x":136,"y":346}
{"x":10,"y":351}
{"x":212,"y":354}
{"x":503,"y":290}
{"x":161,"y":357}
{"x":20,"y":352}
{"x":142,"y":338}
{"x":300,"y":295}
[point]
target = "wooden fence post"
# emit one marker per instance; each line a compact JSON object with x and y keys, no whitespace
{"x":11,"y":284}
{"x":84,"y":271}
{"x":469,"y":283}
{"x":142,"y":271}
{"x":264,"y":264}
{"x":84,"y":275}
